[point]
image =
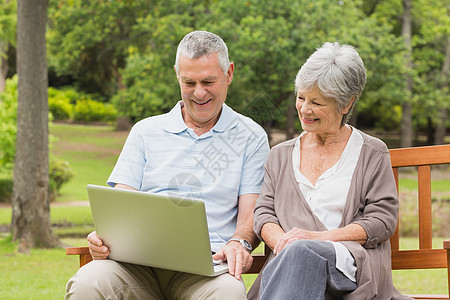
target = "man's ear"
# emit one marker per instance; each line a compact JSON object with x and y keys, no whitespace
{"x":175,"y":68}
{"x":230,"y":73}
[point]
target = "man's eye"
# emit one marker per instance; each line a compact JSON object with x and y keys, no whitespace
{"x":300,"y":98}
{"x":188,"y":83}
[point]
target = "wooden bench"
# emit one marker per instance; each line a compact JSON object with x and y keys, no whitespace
{"x":423,"y":258}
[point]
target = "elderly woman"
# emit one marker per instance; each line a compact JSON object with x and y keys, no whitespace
{"x":328,"y":205}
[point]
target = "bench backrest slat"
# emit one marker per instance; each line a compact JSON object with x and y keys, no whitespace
{"x":424,"y":190}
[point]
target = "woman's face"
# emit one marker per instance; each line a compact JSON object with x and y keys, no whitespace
{"x":317,"y":113}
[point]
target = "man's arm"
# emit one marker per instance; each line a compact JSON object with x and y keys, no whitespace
{"x":96,"y":247}
{"x":239,"y":259}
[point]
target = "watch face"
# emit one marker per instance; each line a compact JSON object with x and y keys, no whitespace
{"x":247,"y":245}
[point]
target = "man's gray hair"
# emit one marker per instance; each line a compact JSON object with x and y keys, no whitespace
{"x":200,"y":43}
{"x":338,"y":71}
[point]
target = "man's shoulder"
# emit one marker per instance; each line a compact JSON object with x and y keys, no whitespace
{"x":153,"y":123}
{"x":250,"y":125}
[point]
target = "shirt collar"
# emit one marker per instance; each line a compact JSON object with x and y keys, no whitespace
{"x":174,"y":119}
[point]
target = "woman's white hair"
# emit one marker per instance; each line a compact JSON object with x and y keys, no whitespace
{"x":338,"y":71}
{"x":200,"y":43}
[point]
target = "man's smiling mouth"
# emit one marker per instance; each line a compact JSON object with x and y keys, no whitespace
{"x":202,"y":103}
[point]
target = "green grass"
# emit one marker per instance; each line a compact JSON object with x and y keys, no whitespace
{"x":41,"y":274}
{"x":92,"y":152}
{"x":436,"y":185}
{"x":64,"y":215}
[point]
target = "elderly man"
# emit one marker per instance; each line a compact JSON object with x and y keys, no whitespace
{"x":216,"y":153}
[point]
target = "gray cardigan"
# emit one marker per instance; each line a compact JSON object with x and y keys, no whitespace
{"x":372,"y":202}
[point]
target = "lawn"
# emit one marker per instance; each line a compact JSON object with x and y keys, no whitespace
{"x":92,"y":152}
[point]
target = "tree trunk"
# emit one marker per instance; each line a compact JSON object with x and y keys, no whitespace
{"x":406,"y":125}
{"x":3,"y":65}
{"x":31,"y":224}
{"x":290,"y":123}
{"x":439,"y":136}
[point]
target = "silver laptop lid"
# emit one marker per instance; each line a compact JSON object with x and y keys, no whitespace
{"x":153,"y":230}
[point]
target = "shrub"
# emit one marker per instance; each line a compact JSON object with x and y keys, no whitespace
{"x":8,"y":128}
{"x":59,"y":174}
{"x":88,"y":110}
{"x":6,"y":186}
{"x":59,"y":104}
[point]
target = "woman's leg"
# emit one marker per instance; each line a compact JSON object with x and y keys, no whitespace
{"x":304,"y":270}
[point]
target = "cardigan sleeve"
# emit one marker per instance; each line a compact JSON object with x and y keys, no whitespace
{"x":264,"y":208}
{"x":380,"y":212}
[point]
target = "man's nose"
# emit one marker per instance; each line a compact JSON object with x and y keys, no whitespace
{"x":199,"y":91}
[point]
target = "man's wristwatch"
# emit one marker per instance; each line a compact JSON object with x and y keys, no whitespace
{"x":243,"y":243}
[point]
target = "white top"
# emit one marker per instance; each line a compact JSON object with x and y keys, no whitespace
{"x":328,"y":196}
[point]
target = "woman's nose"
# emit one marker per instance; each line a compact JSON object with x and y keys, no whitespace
{"x":305,"y":107}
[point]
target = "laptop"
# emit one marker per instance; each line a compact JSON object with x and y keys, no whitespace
{"x":154,"y":230}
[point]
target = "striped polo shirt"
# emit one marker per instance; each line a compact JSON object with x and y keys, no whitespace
{"x":162,"y":155}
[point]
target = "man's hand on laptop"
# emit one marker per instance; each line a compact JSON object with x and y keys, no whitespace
{"x":96,"y":247}
{"x":238,"y":258}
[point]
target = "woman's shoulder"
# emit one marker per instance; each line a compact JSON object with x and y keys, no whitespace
{"x":284,"y":146}
{"x":280,"y":151}
{"x":373,"y":143}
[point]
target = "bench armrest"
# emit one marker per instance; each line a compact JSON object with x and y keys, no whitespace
{"x":447,"y":244}
{"x":83,"y":252}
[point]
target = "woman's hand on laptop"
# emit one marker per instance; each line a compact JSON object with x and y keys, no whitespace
{"x":238,"y":258}
{"x":96,"y":247}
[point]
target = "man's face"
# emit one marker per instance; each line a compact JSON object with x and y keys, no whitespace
{"x":203,"y":88}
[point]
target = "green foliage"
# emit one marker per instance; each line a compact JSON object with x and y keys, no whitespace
{"x":8,"y":23}
{"x":59,"y":104}
{"x":89,"y":40}
{"x":88,"y":110}
{"x":6,"y":186}
{"x":59,"y":173}
{"x":8,"y":117}
{"x":125,"y":50}
{"x":69,"y":104}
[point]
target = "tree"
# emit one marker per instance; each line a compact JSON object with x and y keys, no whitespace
{"x":441,"y":126}
{"x":31,"y":203}
{"x":90,"y":40}
{"x":7,"y":36}
{"x":406,"y":126}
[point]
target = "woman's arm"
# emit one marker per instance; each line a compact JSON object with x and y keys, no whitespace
{"x":271,"y":234}
{"x":351,"y":232}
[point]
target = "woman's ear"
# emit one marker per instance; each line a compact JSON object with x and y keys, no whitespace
{"x":347,"y":108}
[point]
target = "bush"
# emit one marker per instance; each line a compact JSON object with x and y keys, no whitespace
{"x":88,"y":110}
{"x":6,"y":186}
{"x":60,"y":108}
{"x":8,"y":128}
{"x":59,"y":174}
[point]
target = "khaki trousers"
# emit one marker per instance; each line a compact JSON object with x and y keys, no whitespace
{"x":107,"y":279}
